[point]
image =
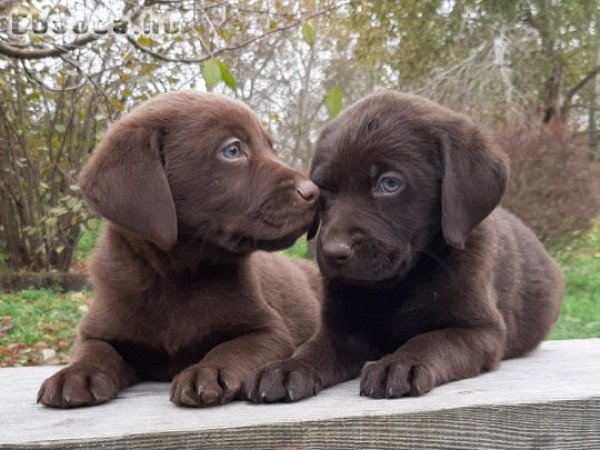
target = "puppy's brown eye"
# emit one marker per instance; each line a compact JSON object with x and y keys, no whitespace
{"x":389,"y":184}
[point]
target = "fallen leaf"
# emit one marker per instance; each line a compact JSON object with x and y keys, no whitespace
{"x":48,"y":353}
{"x":78,"y":295}
{"x":5,"y":324}
{"x":17,"y":347}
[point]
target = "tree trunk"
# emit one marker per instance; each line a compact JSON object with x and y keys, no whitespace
{"x":594,"y":142}
{"x":553,"y":101}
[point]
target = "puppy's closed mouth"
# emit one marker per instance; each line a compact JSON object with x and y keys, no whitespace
{"x":369,"y":281}
{"x":279,"y":219}
{"x":287,"y":224}
{"x":390,"y":270}
{"x":270,"y":223}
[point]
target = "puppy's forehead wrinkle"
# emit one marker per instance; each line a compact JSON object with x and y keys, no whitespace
{"x":374,"y":170}
{"x":354,"y":165}
{"x":401,"y":142}
{"x":181,"y":107}
{"x":199,"y":120}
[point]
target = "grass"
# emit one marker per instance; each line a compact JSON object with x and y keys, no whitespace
{"x":88,"y":239}
{"x":299,"y":249}
{"x":580,"y":264}
{"x":38,"y":326}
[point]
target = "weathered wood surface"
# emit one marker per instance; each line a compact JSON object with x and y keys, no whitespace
{"x":550,"y":399}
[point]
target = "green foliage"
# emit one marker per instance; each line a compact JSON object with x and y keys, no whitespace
{"x":44,"y":139}
{"x":215,"y":71}
{"x":539,"y":49}
{"x":146,"y":41}
{"x":211,"y":73}
{"x":35,"y":320}
{"x":88,"y":240}
{"x":309,"y":34}
{"x":580,"y":312}
{"x":412,"y":36}
{"x":226,"y":75}
{"x":34,"y":312}
{"x":299,"y":249}
{"x":334,"y":102}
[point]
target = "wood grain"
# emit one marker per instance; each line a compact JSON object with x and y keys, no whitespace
{"x":550,"y":399}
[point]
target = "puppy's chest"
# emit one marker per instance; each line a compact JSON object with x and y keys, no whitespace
{"x":177,"y":327}
{"x":183,"y":316}
{"x":388,"y":319}
{"x":158,"y":363}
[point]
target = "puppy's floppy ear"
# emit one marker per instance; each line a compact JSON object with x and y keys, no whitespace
{"x":125,"y":182}
{"x":473,"y":182}
{"x":314,"y":226}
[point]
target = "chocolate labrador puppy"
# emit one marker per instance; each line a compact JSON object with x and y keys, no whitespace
{"x":423,"y":272}
{"x":191,"y":188}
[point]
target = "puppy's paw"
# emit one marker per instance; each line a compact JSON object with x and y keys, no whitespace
{"x":396,"y":377}
{"x":286,"y":381}
{"x":200,"y":387}
{"x":77,"y":385}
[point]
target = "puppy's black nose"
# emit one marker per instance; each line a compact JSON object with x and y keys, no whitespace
{"x":336,"y":251}
{"x":308,"y":191}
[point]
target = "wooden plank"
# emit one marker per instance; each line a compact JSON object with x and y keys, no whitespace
{"x":550,"y":399}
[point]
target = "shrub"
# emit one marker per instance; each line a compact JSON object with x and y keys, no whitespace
{"x":552,"y":188}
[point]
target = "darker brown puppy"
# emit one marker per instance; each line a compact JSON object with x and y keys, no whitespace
{"x":191,"y":188}
{"x":423,"y":272}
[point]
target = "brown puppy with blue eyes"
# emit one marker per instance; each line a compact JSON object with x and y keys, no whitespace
{"x":192,"y":190}
{"x":424,"y":274}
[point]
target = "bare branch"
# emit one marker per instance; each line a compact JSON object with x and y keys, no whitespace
{"x":17,"y":53}
{"x":12,"y":51}
{"x":161,"y":57}
{"x":92,"y":81}
{"x":575,"y":89}
{"x":238,"y":46}
{"x":6,"y":4}
{"x":30,"y":74}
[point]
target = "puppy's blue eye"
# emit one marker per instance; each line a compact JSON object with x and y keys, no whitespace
{"x":232,"y":151}
{"x":389,"y":185}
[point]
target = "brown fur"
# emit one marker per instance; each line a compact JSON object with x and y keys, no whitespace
{"x":423,"y":274}
{"x":181,"y":291}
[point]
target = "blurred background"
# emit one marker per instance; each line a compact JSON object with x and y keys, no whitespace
{"x":528,"y":72}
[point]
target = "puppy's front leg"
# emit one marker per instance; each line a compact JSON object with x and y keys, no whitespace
{"x":431,"y":359}
{"x":326,"y":359}
{"x":218,"y":377}
{"x":95,"y":376}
